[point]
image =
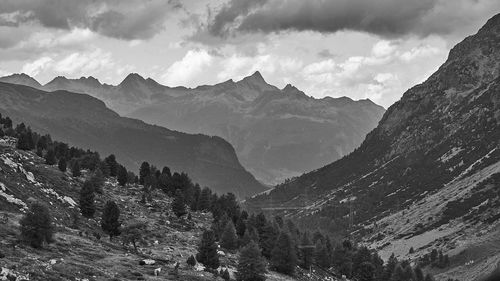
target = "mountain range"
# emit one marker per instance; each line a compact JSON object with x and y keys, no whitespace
{"x":427,"y":177}
{"x":277,"y":133}
{"x":84,"y":121}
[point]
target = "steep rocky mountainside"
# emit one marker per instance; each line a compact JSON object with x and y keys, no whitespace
{"x":277,"y":133}
{"x":427,"y":177}
{"x":81,"y":250}
{"x":86,"y":122}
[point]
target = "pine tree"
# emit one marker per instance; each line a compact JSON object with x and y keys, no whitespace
{"x":267,"y":239}
{"x":251,"y":265}
{"x":36,"y":225}
{"x":229,"y":239}
{"x":366,"y":272}
{"x":75,"y":169}
{"x":50,"y":157}
{"x":112,"y":165}
{"x":178,"y":205}
{"x":225,"y":275}
{"x":392,"y":262}
{"x":398,"y":274}
{"x":283,"y":256}
{"x":205,"y":199}
{"x":62,"y":165}
{"x":110,"y":216}
{"x":144,"y":172}
{"x":122,"y":176}
{"x":322,"y":256}
{"x":419,"y":274}
{"x":87,"y":204}
{"x":97,"y":180}
{"x":249,"y":235}
{"x":306,"y":251}
{"x":207,"y":250}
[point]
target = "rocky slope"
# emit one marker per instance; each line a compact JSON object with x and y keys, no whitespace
{"x":84,"y":121}
{"x":81,"y":251}
{"x":277,"y":133}
{"x":427,"y":177}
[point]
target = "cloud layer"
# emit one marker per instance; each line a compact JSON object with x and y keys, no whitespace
{"x":133,"y":19}
{"x":387,"y":18}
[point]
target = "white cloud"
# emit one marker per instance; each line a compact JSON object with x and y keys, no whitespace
{"x":383,"y":48}
{"x":182,"y":71}
{"x":84,"y":62}
{"x":419,"y":52}
{"x":35,"y":67}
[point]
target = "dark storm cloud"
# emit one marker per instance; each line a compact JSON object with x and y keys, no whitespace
{"x":388,"y":18}
{"x":132,"y":19}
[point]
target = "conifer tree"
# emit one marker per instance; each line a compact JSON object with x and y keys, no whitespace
{"x":112,"y":165}
{"x":207,"y":250}
{"x":392,"y":262}
{"x":205,"y":199}
{"x":122,"y":176}
{"x":36,"y":225}
{"x":306,"y":251}
{"x":366,"y":272}
{"x":322,"y":256}
{"x":97,"y":180}
{"x":251,"y":265}
{"x":229,"y":239}
{"x":178,"y":205}
{"x":283,"y":256}
{"x":419,"y":274}
{"x":267,"y":239}
{"x":62,"y":165}
{"x":249,"y":235}
{"x":87,"y":204}
{"x":144,"y":172}
{"x":75,"y":169}
{"x":109,"y":221}
{"x":398,"y":274}
{"x":50,"y":157}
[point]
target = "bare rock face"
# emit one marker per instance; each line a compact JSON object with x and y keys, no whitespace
{"x":425,"y":177}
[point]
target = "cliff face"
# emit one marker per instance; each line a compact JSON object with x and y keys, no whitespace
{"x":86,"y":122}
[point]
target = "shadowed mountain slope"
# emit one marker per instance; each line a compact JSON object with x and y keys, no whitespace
{"x":86,"y":122}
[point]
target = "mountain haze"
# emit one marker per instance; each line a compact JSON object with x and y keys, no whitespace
{"x":428,"y":175}
{"x":277,"y":133}
{"x":84,"y":121}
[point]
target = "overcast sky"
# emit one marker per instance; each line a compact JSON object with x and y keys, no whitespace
{"x":372,"y":49}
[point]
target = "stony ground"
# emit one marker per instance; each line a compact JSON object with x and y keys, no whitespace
{"x":78,"y":253}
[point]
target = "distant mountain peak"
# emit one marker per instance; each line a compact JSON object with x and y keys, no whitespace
{"x":59,"y":80}
{"x":21,"y":78}
{"x":132,"y":77}
{"x":90,"y":80}
{"x":255,"y":79}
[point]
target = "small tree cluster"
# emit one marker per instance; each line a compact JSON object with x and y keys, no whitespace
{"x":36,"y":226}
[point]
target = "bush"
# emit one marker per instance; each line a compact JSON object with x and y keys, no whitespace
{"x":36,"y":226}
{"x":191,"y":261}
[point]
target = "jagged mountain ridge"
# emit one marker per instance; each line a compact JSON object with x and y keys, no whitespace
{"x":84,"y":121}
{"x":427,"y":176}
{"x":277,"y":133}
